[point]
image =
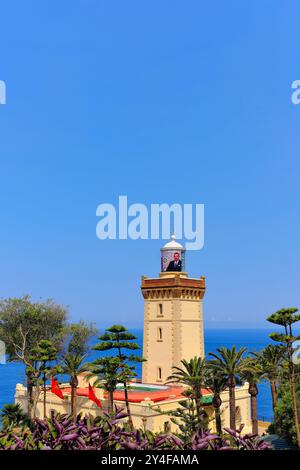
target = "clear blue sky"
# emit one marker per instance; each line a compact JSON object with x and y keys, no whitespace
{"x":110,"y":98}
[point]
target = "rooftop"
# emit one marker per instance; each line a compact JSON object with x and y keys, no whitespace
{"x":142,"y":392}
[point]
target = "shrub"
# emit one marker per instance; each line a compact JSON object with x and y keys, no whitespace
{"x":60,"y":432}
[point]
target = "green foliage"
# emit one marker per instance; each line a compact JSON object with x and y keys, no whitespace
{"x":284,"y":317}
{"x":79,"y":337}
{"x":228,"y":362}
{"x":217,"y":383}
{"x":41,"y":358}
{"x":44,"y":352}
{"x":252,"y":373}
{"x":193,"y":374}
{"x":284,"y":339}
{"x":117,"y":337}
{"x":23,"y":323}
{"x":60,"y":432}
{"x":73,"y":365}
{"x":12,"y":416}
{"x":107,"y":371}
{"x":41,"y":368}
{"x":284,"y":414}
{"x":271,"y":359}
{"x":186,"y":418}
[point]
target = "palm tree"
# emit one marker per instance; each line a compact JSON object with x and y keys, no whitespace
{"x":270,"y":359}
{"x":217,"y":383}
{"x":193,"y":374}
{"x":252,"y":374}
{"x":108,"y":375}
{"x":13,"y":415}
{"x":73,"y":365}
{"x":229,"y":363}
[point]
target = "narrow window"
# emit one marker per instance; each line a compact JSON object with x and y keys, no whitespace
{"x":159,"y":375}
{"x":238,"y":416}
{"x":167,"y":427}
{"x":159,"y":334}
{"x":160,"y":310}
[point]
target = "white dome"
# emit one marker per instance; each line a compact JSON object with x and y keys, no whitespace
{"x":173,"y":245}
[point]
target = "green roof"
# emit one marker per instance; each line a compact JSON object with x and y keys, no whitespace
{"x":207,"y":399}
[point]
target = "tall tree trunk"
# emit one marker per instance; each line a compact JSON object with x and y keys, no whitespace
{"x":253,"y":392}
{"x":127,"y":406}
{"x":29,"y":398}
{"x":199,"y":411}
{"x":293,"y":389}
{"x":254,"y":414}
{"x":110,"y":401}
{"x":232,"y":406}
{"x":74,"y":401}
{"x":295,"y":404}
{"x":74,"y":385}
{"x":35,"y":398}
{"x":44,"y":399}
{"x":217,"y":402}
{"x":218,"y":420}
{"x":126,"y":392}
{"x":274,"y":394}
{"x":274,"y":400}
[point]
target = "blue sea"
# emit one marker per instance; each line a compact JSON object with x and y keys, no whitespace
{"x":253,"y":340}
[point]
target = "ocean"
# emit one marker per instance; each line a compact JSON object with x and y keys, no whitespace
{"x":253,"y":340}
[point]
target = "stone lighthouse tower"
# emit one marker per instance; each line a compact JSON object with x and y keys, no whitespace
{"x":173,"y":319}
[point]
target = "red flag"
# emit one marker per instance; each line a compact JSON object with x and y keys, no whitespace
{"x":93,"y":397}
{"x":55,"y":388}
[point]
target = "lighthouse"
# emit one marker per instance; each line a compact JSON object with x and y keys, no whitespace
{"x":173,"y":316}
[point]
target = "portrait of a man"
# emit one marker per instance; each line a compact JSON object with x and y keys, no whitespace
{"x":175,"y":264}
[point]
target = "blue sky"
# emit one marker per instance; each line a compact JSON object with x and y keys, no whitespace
{"x":163,"y":102}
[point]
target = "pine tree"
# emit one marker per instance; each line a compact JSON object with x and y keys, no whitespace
{"x":287,"y":317}
{"x":42,"y":357}
{"x":118,"y":338}
{"x":186,"y":417}
{"x":108,"y":373}
{"x":193,"y":374}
